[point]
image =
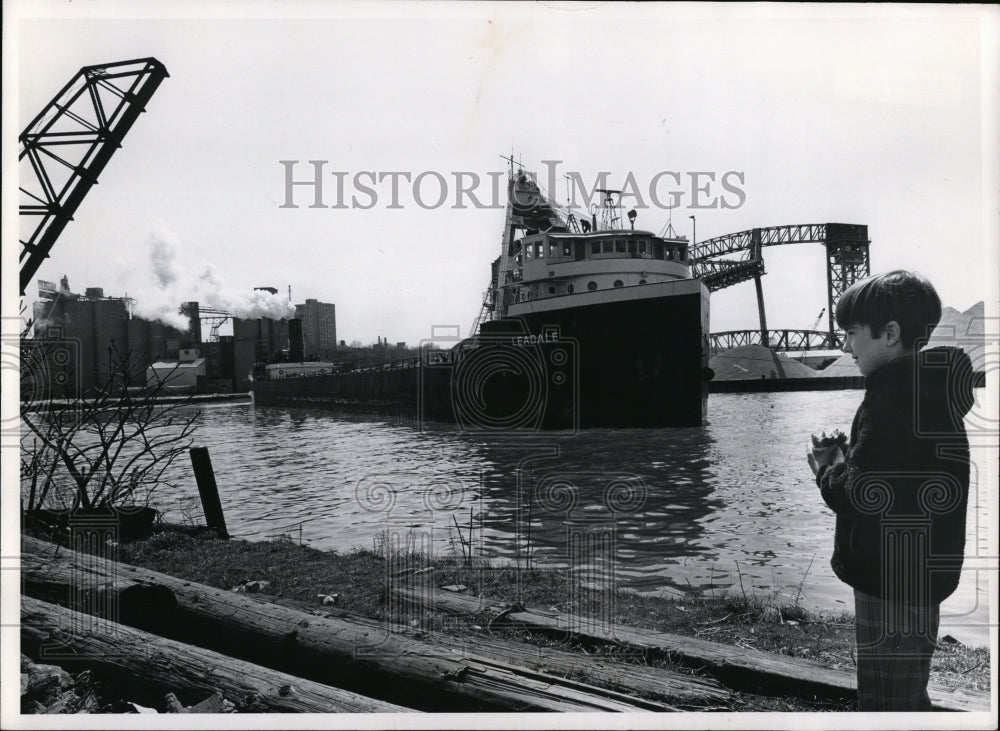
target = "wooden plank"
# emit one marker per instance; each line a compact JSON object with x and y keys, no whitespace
{"x":204,"y":475}
{"x":125,"y":652}
{"x":735,"y":666}
{"x":331,"y":650}
{"x":680,"y":690}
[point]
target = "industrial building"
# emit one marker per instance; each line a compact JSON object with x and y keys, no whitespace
{"x":319,"y":329}
{"x":185,"y":374}
{"x":75,"y":337}
{"x":78,"y":338}
{"x":259,"y":340}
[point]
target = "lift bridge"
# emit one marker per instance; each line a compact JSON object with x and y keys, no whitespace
{"x":66,"y":147}
{"x":734,"y":258}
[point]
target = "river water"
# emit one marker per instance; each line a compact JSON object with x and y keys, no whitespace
{"x":731,"y":505}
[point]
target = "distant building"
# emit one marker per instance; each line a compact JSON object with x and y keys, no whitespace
{"x":219,"y":370}
{"x":319,"y":328}
{"x":77,"y":338}
{"x":183,"y":374}
{"x":262,"y":340}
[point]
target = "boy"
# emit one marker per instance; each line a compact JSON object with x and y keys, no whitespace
{"x":900,"y":487}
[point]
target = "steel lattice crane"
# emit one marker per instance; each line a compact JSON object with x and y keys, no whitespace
{"x":65,"y":148}
{"x":818,"y":318}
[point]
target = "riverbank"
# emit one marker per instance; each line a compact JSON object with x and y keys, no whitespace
{"x":362,"y":580}
{"x":192,"y":399}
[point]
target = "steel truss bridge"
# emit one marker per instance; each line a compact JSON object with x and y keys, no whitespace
{"x":784,"y":340}
{"x":67,"y":146}
{"x":735,"y":258}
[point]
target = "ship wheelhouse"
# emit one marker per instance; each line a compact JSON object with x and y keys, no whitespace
{"x":560,"y":264}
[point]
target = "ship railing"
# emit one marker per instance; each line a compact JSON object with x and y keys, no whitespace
{"x":414,"y":362}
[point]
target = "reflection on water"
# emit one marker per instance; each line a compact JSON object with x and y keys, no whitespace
{"x":663,"y":510}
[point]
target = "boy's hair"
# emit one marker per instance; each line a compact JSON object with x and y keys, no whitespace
{"x":906,"y":297}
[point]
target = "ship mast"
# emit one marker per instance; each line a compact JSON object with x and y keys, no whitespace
{"x":610,"y":209}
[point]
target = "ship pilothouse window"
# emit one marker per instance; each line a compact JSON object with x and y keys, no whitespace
{"x":620,"y":245}
{"x":539,"y":250}
{"x":631,"y":246}
{"x":642,"y":246}
{"x":609,"y":246}
{"x":553,"y":249}
{"x":568,"y":248}
{"x":595,"y":247}
{"x":657,"y":250}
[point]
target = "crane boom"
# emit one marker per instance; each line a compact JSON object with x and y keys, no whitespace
{"x":66,"y":147}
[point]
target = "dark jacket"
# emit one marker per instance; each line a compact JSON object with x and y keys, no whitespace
{"x":900,"y":495}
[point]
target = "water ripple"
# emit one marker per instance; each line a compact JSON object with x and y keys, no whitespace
{"x":699,"y":500}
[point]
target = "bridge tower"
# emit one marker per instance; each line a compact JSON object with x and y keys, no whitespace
{"x":846,"y":262}
{"x":758,"y":256}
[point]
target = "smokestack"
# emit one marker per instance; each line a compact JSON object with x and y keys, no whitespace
{"x":193,"y":312}
{"x":296,"y":348}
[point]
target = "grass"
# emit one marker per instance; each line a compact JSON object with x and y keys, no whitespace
{"x":770,"y":622}
{"x":292,"y":570}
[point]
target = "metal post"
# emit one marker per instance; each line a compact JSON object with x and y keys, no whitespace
{"x":758,"y":255}
{"x":831,"y":306}
{"x":208,"y":490}
{"x":764,"y":335}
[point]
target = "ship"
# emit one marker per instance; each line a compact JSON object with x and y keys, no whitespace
{"x":585,"y":323}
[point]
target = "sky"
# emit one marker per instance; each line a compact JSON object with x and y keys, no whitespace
{"x":884,"y":116}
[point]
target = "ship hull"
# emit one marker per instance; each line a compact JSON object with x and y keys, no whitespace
{"x":631,"y":357}
{"x":643,"y":360}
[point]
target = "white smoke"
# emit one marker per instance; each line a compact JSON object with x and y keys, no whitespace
{"x":260,"y":303}
{"x":163,"y":257}
{"x":166,"y":287}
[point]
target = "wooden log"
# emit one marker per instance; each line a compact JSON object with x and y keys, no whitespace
{"x":735,"y":666}
{"x":358,"y":655}
{"x":152,"y":661}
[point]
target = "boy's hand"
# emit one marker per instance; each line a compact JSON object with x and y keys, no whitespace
{"x":823,"y":451}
